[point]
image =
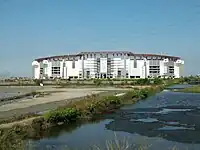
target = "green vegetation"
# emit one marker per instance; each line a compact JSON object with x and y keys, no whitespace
{"x":90,"y":82}
{"x":38,"y":81}
{"x":97,"y":82}
{"x":12,"y":139}
{"x":62,"y":115}
{"x":88,"y":108}
{"x":189,"y":79}
{"x":193,"y":89}
{"x":118,"y":82}
{"x":91,"y":106}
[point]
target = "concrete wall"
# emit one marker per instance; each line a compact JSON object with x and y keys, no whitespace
{"x":137,"y":70}
{"x":70,"y":71}
{"x":36,"y":69}
{"x":117,"y":65}
{"x":90,"y":66}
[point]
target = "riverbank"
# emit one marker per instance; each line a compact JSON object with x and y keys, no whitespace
{"x":88,"y":108}
{"x":163,"y":120}
{"x":193,"y":89}
{"x":25,"y":108}
{"x":37,"y":106}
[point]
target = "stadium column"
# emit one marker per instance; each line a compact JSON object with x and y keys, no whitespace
{"x":124,"y":70}
{"x":145,"y":68}
{"x":83,"y":70}
{"x":61,"y":68}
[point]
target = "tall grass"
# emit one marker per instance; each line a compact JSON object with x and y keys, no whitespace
{"x":124,"y":143}
{"x":11,"y":139}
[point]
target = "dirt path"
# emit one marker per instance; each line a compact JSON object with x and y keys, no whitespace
{"x":41,"y":104}
{"x":23,"y":122}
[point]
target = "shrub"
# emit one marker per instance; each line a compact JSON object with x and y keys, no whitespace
{"x":65,"y":83}
{"x":97,"y":82}
{"x":111,"y":83}
{"x":124,"y":83}
{"x":143,"y":93}
{"x":131,"y":94}
{"x":146,"y":92}
{"x":38,"y":81}
{"x":92,"y":107}
{"x":38,"y":123}
{"x":133,"y":83}
{"x":62,"y":115}
{"x":139,"y":93}
{"x":12,"y":138}
{"x":103,"y":104}
{"x":112,"y":99}
{"x":143,"y":81}
{"x":78,"y":83}
{"x":158,"y":81}
{"x":109,"y":79}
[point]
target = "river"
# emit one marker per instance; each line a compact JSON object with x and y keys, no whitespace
{"x":165,"y":120}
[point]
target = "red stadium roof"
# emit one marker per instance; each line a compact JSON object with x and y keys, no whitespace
{"x":104,"y":52}
{"x":167,"y":56}
{"x":56,"y":57}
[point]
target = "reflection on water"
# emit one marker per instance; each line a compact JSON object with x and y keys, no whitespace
{"x":145,"y":120}
{"x":163,"y":120}
{"x":179,"y":125}
{"x":175,"y":128}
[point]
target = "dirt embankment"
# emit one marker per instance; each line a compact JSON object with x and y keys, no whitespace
{"x":57,"y":98}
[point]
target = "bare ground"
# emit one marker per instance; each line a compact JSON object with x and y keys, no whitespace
{"x":59,"y":97}
{"x":41,"y":104}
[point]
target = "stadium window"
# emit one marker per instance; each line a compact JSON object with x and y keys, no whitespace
{"x":148,"y":57}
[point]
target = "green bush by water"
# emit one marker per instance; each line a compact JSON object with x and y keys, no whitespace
{"x":72,"y":114}
{"x":103,"y":104}
{"x":140,"y":93}
{"x":62,"y":115}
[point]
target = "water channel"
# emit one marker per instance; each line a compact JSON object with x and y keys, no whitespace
{"x":165,"y":120}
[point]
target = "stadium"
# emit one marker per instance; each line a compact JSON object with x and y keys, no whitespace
{"x":107,"y":64}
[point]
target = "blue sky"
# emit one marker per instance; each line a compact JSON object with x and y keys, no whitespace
{"x":34,"y":28}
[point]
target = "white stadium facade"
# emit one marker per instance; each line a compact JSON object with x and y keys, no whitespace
{"x":107,"y":64}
